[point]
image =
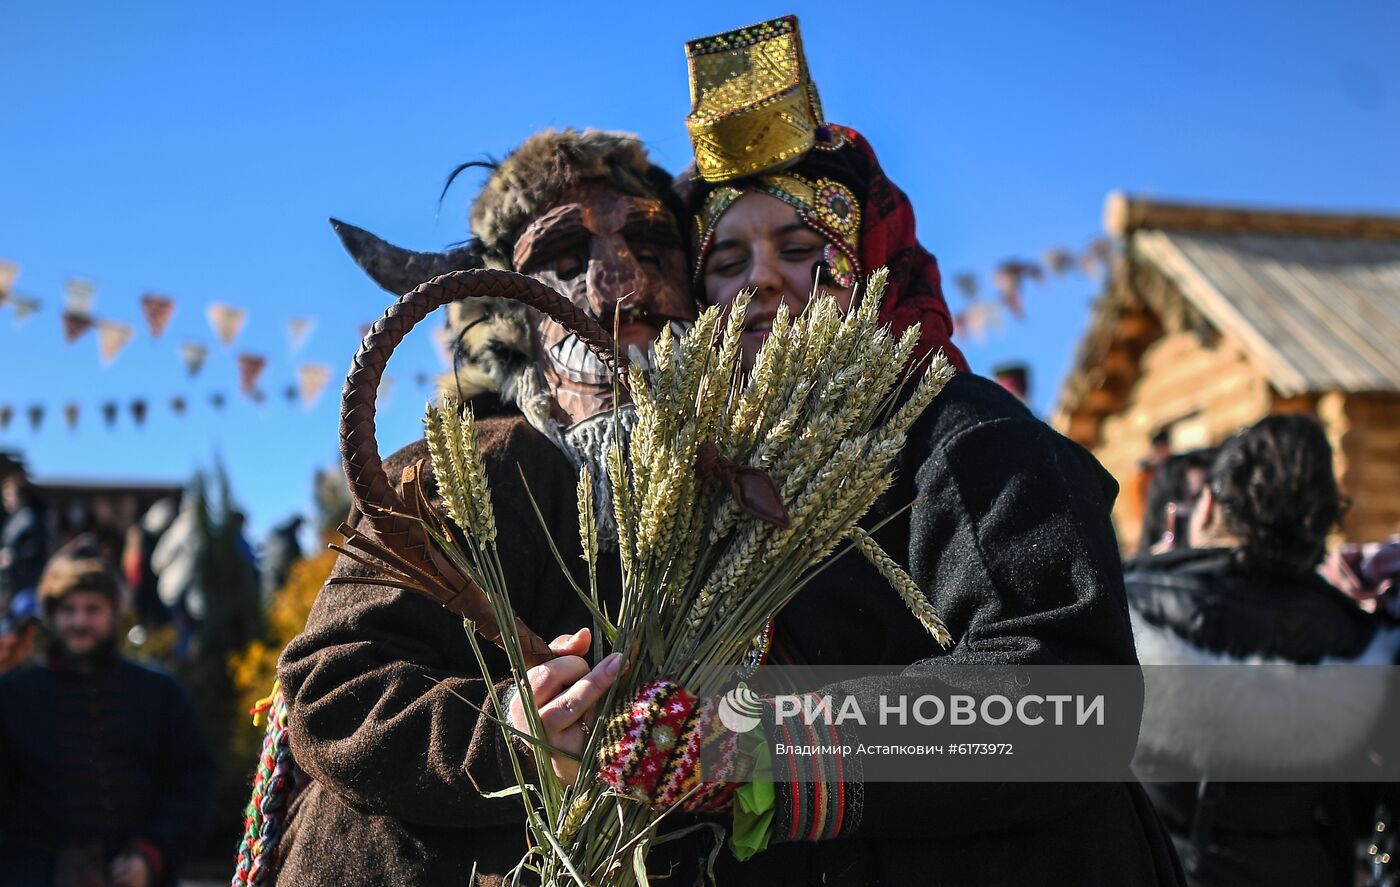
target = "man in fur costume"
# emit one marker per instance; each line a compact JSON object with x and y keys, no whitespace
{"x":584,"y":212}
{"x":382,"y":688}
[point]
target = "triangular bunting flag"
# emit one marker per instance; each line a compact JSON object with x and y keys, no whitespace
{"x":138,"y":412}
{"x":962,"y":324}
{"x":75,"y":325}
{"x":994,"y":317}
{"x":217,"y":401}
{"x":979,"y":317}
{"x":422,"y":379}
{"x":1095,"y":259}
{"x":9,"y":273}
{"x":289,"y":394}
{"x":24,"y":309}
{"x":78,"y":296}
{"x":36,"y":416}
{"x":7,"y":413}
{"x":298,"y":328}
{"x":177,"y":405}
{"x":967,"y":284}
{"x":193,"y":354}
{"x":111,"y":339}
{"x":1009,"y":277}
{"x":70,"y":415}
{"x":1009,"y":285}
{"x":226,"y":320}
{"x":157,"y":309}
{"x":1058,"y":259}
{"x":311,"y":379}
{"x":250,"y":367}
{"x":109,"y":413}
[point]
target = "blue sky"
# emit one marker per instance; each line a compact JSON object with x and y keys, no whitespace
{"x":197,"y":150}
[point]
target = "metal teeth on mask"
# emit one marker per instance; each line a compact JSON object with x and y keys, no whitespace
{"x":572,"y":359}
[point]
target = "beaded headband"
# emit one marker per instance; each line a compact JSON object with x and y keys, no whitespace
{"x":825,"y":205}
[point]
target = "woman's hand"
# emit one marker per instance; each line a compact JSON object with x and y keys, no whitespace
{"x":566,"y":692}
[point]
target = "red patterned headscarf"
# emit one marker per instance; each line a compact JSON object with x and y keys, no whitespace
{"x":843,"y":166}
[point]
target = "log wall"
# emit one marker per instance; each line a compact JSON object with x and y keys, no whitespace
{"x":1209,"y":393}
{"x":1365,"y":433}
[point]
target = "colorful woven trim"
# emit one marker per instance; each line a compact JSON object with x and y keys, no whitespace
{"x":825,"y":205}
{"x":819,"y":797}
{"x":653,"y":750}
{"x":276,"y":783}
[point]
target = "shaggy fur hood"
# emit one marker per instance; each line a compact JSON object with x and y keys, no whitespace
{"x":491,"y":340}
{"x":490,"y":349}
{"x":537,"y":174}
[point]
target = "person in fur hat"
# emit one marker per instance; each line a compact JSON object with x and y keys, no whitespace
{"x":104,"y":771}
{"x":1004,"y":525}
{"x":1246,"y":596}
{"x":587,"y":213}
{"x":380,"y":686}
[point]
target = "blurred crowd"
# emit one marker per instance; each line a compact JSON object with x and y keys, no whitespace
{"x":109,"y":777}
{"x":120,"y":742}
{"x":1234,"y":570}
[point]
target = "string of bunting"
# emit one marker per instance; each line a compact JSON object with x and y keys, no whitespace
{"x":77,"y":319}
{"x":311,"y":381}
{"x":979,"y":315}
{"x":157,"y":309}
{"x":976,"y":318}
{"x":1008,"y":280}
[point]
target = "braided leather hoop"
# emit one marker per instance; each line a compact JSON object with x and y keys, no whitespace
{"x":392,"y":520}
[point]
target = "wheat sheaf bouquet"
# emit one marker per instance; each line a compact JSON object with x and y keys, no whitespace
{"x":730,"y":493}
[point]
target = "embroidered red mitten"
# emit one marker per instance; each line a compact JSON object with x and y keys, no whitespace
{"x":667,"y":744}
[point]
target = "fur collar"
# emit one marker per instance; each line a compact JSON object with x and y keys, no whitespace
{"x":489,"y":345}
{"x":1257,"y":712}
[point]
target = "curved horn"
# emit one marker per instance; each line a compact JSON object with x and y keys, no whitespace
{"x":399,"y":270}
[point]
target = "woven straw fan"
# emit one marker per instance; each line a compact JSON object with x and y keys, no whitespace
{"x":400,"y":549}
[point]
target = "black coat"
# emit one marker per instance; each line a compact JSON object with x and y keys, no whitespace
{"x":112,"y":758}
{"x":1194,"y":607}
{"x":1011,"y":541}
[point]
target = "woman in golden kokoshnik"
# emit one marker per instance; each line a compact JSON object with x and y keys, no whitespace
{"x":1008,"y":535}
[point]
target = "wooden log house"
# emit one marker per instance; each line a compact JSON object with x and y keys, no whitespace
{"x":1213,"y":317}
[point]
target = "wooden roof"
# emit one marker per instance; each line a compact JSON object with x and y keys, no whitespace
{"x":1313,"y":298}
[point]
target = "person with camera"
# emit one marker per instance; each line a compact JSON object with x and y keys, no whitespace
{"x":1247,"y":596}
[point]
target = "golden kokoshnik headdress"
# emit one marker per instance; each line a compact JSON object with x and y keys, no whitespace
{"x":755,"y":112}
